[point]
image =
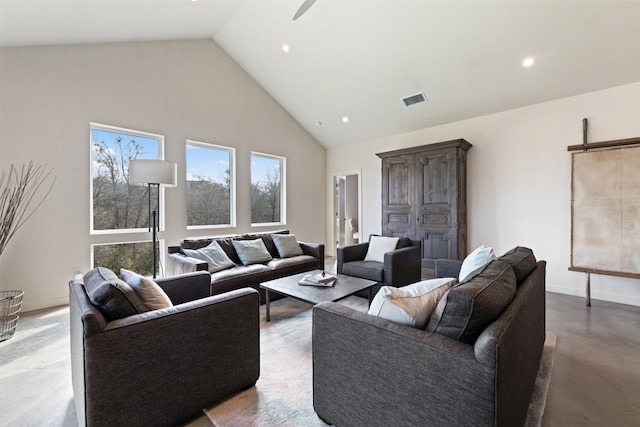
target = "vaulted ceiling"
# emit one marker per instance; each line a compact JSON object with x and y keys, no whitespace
{"x":358,"y":58}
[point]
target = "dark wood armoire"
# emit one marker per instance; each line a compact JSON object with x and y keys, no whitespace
{"x":424,"y":196}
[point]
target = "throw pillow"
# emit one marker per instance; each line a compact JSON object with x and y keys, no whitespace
{"x":215,"y":257}
{"x":522,"y":260}
{"x":112,"y":296}
{"x":287,"y":245}
{"x":251,"y":251}
{"x":468,"y":308}
{"x":474,"y":262}
{"x":378,"y":246}
{"x":411,"y":305}
{"x":149,"y":292}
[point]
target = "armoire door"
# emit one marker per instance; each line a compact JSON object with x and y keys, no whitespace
{"x":435,"y":204}
{"x":398,"y":194}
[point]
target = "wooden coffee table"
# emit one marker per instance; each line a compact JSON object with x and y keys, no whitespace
{"x":288,"y":286}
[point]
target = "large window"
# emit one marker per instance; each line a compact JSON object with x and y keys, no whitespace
{"x":134,"y":256}
{"x":267,"y":189}
{"x":210,"y":185}
{"x":117,"y":207}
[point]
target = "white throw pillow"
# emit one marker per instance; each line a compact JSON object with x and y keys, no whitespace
{"x":475,"y":261}
{"x":411,"y":305}
{"x":147,"y":290}
{"x":215,"y":257}
{"x":378,"y":246}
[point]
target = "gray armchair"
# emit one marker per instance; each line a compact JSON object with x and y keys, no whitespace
{"x":401,"y":266}
{"x":162,"y":367}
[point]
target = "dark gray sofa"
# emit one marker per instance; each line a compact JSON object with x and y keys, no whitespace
{"x":240,"y":276}
{"x":162,"y":367}
{"x":368,"y":371}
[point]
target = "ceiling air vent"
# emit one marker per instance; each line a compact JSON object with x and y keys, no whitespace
{"x":414,"y":99}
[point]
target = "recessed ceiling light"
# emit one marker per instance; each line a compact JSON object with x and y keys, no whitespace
{"x":286,"y":47}
{"x":345,"y":119}
{"x":528,"y":62}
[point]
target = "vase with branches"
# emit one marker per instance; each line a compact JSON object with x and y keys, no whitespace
{"x":22,"y":192}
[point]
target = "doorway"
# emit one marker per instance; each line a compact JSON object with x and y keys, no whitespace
{"x":347,"y":208}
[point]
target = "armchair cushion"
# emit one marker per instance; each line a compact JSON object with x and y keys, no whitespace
{"x":378,"y":246}
{"x":411,"y":305}
{"x":252,"y":251}
{"x":112,"y":296}
{"x":468,"y":308}
{"x":213,"y":254}
{"x":149,"y":292}
{"x":370,"y":270}
{"x":287,"y":245}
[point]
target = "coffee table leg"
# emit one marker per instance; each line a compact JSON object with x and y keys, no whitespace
{"x":266,"y":293}
{"x":370,"y":297}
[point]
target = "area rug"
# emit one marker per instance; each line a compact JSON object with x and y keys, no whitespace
{"x":283,"y":394}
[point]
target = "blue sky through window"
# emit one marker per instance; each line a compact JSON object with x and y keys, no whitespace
{"x":261,"y":165}
{"x":210,"y":163}
{"x":149,"y":147}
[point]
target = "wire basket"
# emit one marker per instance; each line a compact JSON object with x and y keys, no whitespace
{"x":10,"y":302}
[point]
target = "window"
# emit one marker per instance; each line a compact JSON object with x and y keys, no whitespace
{"x":267,"y":191}
{"x":116,"y":206}
{"x":210,"y":185}
{"x":134,"y":256}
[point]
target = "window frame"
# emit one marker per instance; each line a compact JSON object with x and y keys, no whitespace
{"x":283,"y":191}
{"x":232,"y":183}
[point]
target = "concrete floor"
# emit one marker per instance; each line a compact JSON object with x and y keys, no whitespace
{"x":595,"y":381}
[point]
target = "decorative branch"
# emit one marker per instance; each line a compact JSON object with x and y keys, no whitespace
{"x":20,"y":197}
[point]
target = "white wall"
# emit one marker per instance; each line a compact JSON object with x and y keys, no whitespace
{"x":519,"y":176}
{"x":180,"y":89}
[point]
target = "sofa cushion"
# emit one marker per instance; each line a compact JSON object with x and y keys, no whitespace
{"x":195,"y":243}
{"x":380,"y":245}
{"x":149,"y":292}
{"x":112,"y":296}
{"x":468,"y":308}
{"x":287,"y":245}
{"x":213,"y":254}
{"x":522,"y":260}
{"x":411,"y":305}
{"x":474,"y":262}
{"x":252,"y":251}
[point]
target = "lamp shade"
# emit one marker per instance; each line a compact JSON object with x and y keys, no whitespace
{"x":149,"y":171}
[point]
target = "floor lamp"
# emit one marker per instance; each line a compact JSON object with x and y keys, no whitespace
{"x":153,"y":173}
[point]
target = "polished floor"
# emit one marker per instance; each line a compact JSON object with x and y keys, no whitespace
{"x":595,"y":382}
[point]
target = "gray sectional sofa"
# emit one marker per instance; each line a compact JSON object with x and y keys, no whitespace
{"x":467,"y":368}
{"x":239,"y":274}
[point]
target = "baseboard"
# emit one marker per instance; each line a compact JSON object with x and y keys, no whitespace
{"x":30,"y":305}
{"x":595,"y":294}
